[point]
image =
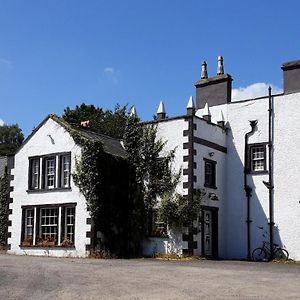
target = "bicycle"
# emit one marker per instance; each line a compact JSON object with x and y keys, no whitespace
{"x":264,"y":253}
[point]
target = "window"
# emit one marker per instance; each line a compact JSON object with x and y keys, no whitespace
{"x":257,"y":158}
{"x":28,"y":226}
{"x":210,"y":173}
{"x":68,"y":226}
{"x":50,"y":178}
{"x":34,"y":173}
{"x":65,"y":170}
{"x":50,"y":165}
{"x":158,"y":228}
{"x":55,"y":226}
{"x":48,"y":227}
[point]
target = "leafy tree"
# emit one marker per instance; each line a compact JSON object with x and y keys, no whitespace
{"x":178,"y":211}
{"x":4,"y":187}
{"x":11,"y":137}
{"x":111,"y":123}
{"x":153,"y":171}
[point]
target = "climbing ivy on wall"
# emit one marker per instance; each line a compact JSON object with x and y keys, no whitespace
{"x":4,"y":187}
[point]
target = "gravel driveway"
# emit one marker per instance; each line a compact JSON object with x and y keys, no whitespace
{"x":25,"y":277}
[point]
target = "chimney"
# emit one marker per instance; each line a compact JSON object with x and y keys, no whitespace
{"x":85,"y":124}
{"x":161,"y":113}
{"x":215,"y":90}
{"x":291,"y":77}
{"x":190,"y":108}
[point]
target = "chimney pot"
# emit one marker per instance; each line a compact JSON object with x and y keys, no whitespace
{"x":204,"y":70}
{"x":220,"y":66}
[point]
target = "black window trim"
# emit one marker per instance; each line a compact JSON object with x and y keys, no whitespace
{"x":36,"y":225}
{"x":249,"y":159}
{"x":42,"y":172}
{"x":214,"y":164}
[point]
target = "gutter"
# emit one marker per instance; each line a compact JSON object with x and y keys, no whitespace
{"x":247,"y":188}
{"x":270,"y":184}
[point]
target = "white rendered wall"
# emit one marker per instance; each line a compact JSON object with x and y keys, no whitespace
{"x":41,"y":144}
{"x":171,"y":131}
{"x":216,"y":135}
{"x":286,"y":167}
{"x":287,"y":172}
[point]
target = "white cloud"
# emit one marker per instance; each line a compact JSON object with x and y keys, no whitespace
{"x":112,"y":74}
{"x":6,"y":62}
{"x":254,"y":90}
{"x":1,"y":122}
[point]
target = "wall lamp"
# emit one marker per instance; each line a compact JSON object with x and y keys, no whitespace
{"x":213,"y":197}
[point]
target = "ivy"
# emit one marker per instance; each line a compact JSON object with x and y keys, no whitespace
{"x":179,"y":211}
{"x":4,"y":187}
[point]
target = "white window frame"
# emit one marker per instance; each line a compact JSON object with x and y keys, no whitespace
{"x":65,"y":168}
{"x":257,"y":158}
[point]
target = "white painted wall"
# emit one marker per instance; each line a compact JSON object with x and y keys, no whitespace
{"x":286,"y":168}
{"x":40,"y":144}
{"x":287,"y":171}
{"x":216,"y":135}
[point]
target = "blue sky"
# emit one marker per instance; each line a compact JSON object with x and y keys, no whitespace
{"x":55,"y":54}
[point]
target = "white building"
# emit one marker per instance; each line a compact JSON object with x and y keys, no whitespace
{"x":249,"y":170}
{"x":47,"y":212}
{"x":248,"y":192}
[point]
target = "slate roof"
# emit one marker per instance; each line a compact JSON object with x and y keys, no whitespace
{"x":110,"y":145}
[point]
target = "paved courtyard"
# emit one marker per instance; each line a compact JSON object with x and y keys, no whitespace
{"x":24,"y":277}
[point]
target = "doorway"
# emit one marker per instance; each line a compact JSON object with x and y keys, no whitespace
{"x":209,"y":231}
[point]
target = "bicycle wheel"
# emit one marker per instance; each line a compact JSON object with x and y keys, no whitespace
{"x":281,"y":254}
{"x":259,"y":254}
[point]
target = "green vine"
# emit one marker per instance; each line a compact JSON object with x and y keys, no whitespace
{"x":4,"y":187}
{"x":179,"y":211}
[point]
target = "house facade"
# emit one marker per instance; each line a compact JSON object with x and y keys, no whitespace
{"x":244,"y":154}
{"x":47,"y":213}
{"x":249,"y":170}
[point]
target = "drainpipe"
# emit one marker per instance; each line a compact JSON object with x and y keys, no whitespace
{"x":247,"y":188}
{"x":270,"y":186}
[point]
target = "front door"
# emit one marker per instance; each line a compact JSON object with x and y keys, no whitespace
{"x":210,"y":231}
{"x":207,"y":233}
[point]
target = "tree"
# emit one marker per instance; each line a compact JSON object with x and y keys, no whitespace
{"x":108,"y":122}
{"x":153,"y":171}
{"x":11,"y":137}
{"x":4,"y":188}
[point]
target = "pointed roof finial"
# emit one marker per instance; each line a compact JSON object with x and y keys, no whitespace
{"x":161,"y":108}
{"x":220,"y":66}
{"x":190,"y":103}
{"x":161,"y":112}
{"x":221,"y":117}
{"x":133,"y":112}
{"x":206,"y":111}
{"x":204,"y":70}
